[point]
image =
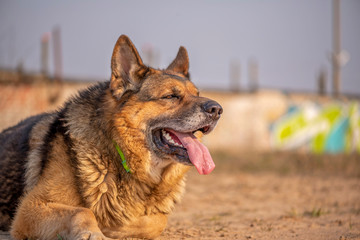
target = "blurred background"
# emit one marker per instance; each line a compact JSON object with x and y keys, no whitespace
{"x":287,"y":72}
{"x":290,"y":43}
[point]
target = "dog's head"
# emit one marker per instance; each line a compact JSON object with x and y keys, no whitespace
{"x":159,"y":111}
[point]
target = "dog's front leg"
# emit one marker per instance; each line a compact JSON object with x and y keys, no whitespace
{"x":148,"y":227}
{"x":36,"y":219}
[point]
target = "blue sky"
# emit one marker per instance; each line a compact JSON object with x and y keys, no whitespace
{"x":290,"y":39}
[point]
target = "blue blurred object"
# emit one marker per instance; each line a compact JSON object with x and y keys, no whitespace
{"x":335,"y":142}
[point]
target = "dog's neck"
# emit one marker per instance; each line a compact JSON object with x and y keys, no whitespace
{"x":122,"y":157}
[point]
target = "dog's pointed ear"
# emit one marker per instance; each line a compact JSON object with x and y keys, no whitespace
{"x":127,"y":68}
{"x":180,"y":63}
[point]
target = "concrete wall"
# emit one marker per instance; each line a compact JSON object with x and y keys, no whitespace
{"x":250,"y":122}
{"x":271,"y":120}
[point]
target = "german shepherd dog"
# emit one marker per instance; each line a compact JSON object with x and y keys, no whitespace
{"x":111,"y":162}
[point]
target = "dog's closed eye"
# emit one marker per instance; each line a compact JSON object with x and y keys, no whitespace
{"x":171,"y":96}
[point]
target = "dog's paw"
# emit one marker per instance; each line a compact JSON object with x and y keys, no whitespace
{"x":92,"y":236}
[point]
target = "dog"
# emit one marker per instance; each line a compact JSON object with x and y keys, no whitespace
{"x":111,"y":163}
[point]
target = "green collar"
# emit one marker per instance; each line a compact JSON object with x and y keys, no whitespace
{"x":123,"y":160}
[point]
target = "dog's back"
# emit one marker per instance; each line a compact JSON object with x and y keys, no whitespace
{"x":14,"y":147}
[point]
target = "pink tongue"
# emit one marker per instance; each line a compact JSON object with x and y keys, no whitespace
{"x":199,"y":154}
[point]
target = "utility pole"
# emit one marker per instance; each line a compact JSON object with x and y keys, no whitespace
{"x":57,"y":54}
{"x":336,"y":61}
{"x":235,"y":76}
{"x":322,"y":82}
{"x":45,"y":54}
{"x":253,"y":72}
{"x":151,"y":55}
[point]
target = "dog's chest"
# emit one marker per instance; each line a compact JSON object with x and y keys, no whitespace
{"x":123,"y":203}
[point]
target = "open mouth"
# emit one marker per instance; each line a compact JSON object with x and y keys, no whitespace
{"x":185,"y":148}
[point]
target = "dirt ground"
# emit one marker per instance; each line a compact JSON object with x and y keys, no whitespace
{"x":266,"y":202}
{"x":270,"y":196}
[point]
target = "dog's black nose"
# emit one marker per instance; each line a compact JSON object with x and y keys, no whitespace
{"x":213,"y":109}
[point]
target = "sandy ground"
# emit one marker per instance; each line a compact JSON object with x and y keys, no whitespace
{"x":276,"y":196}
{"x":280,"y":196}
{"x":267,"y":206}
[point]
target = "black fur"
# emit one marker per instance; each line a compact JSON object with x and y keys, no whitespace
{"x":14,"y":148}
{"x":46,"y":148}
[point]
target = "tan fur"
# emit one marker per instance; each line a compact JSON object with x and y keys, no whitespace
{"x":33,"y":164}
{"x":48,"y":203}
{"x":76,"y":187}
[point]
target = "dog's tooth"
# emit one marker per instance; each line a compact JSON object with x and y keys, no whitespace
{"x":168,"y":137}
{"x":165,"y":134}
